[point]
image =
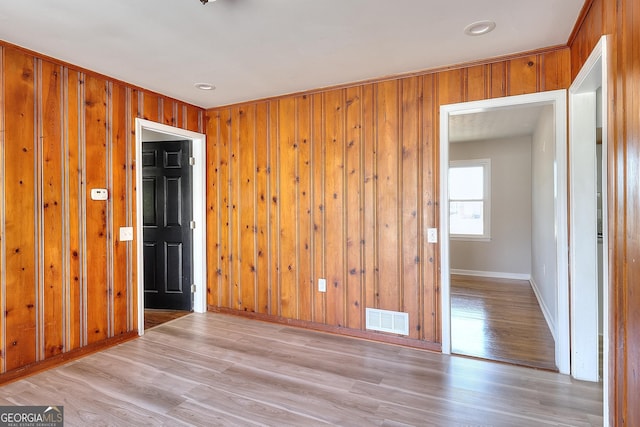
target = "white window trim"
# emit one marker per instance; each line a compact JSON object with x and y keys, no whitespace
{"x":486,"y":165}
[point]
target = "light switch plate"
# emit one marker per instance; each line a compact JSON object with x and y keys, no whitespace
{"x":99,"y":194}
{"x":432,"y":235}
{"x":126,"y":234}
{"x":322,"y":285}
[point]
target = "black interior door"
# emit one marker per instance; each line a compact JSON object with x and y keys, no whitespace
{"x":167,"y":230}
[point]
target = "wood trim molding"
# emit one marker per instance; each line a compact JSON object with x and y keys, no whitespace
{"x":62,"y":358}
{"x":354,"y":333}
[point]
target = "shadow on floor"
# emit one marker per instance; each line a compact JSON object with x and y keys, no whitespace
{"x":155,"y":317}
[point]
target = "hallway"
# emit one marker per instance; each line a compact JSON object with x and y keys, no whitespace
{"x":499,"y":319}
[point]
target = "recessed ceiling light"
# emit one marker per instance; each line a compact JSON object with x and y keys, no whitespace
{"x":205,"y":86}
{"x":479,"y":28}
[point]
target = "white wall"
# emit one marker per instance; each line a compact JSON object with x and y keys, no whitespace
{"x":509,"y":250}
{"x":543,"y":244}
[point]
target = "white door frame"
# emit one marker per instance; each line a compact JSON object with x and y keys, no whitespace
{"x":558,"y":99}
{"x":199,"y":197}
{"x":582,"y":188}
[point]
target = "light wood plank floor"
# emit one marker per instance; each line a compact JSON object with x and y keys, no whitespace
{"x":499,"y":319}
{"x":213,"y":369}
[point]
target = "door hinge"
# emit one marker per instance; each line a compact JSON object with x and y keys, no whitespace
{"x":192,"y":225}
{"x":193,"y":289}
{"x":192,"y":161}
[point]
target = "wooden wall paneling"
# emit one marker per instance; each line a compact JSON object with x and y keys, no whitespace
{"x":617,"y":224}
{"x":98,"y":287}
{"x":353,"y":208}
{"x":131,"y":111}
{"x":369,"y":197}
{"x":179,"y":113}
{"x":52,"y":244}
{"x":593,"y":27}
{"x":133,"y":297}
{"x":632,"y":82}
{"x":109,"y":227}
{"x":388,"y":203}
{"x":263,"y":266}
{"x":318,"y":203}
{"x":411,"y":208}
{"x":631,"y":308}
{"x":3,"y":255}
{"x":334,"y":207}
{"x":623,"y":212}
{"x":214,"y":239}
{"x":523,"y":75}
{"x":151,"y":106}
{"x":288,"y":207}
{"x":303,"y":179}
{"x":234,"y":200}
{"x":450,"y":86}
{"x":138,"y":101}
{"x":555,"y":70}
{"x":498,"y":79}
{"x":181,"y":117}
{"x":626,"y":248}
{"x":73,"y":173}
{"x":120,"y":201}
{"x":226,"y":272}
{"x":194,"y":119}
{"x":67,"y":281}
{"x":248,"y":227}
{"x":477,"y":82}
{"x":274,"y":210}
{"x":20,"y":210}
{"x":162,"y":113}
{"x":169,"y":112}
{"x":606,"y":20}
{"x":177,"y":116}
{"x":430,"y":196}
{"x":371,"y":172}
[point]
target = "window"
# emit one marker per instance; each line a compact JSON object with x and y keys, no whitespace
{"x":469,"y":199}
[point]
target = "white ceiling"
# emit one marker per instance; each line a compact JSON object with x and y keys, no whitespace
{"x":496,"y":123}
{"x":251,"y":49}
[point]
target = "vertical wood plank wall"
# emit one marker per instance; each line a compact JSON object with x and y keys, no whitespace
{"x":66,"y":282}
{"x":342,"y":184}
{"x":620,"y":20}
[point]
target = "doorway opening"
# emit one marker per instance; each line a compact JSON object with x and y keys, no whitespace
{"x":588,"y":148}
{"x":170,"y":146}
{"x":547,"y":262}
{"x":495,"y":211}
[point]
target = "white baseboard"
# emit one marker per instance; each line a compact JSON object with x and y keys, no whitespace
{"x":495,"y":274}
{"x":544,"y":308}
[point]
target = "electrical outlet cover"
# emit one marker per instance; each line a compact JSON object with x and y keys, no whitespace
{"x":126,"y":234}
